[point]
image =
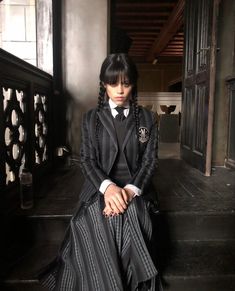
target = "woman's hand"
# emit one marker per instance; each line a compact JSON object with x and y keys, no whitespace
{"x":116,"y":200}
{"x":130,"y":194}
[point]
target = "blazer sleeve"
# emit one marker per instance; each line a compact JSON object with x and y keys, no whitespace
{"x":149,"y":159}
{"x":88,"y":158}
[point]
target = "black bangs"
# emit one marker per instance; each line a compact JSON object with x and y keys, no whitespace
{"x":113,"y":74}
{"x":116,"y":66}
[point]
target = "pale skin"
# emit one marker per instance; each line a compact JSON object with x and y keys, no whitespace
{"x":116,"y":198}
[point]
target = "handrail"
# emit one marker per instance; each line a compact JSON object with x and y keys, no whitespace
{"x":26,"y":126}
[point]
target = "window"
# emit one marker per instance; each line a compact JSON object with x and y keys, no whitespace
{"x":26,"y":31}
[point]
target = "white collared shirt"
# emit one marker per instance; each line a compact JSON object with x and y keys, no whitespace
{"x":104,"y":185}
{"x":114,"y":111}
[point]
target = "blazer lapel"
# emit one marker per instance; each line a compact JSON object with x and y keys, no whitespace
{"x":107,"y":121}
{"x":130,"y":125}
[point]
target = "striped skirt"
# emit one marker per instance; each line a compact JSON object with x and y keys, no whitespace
{"x":105,"y":254}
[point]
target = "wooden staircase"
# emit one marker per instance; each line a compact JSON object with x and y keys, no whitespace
{"x":193,"y":242}
{"x":194,"y":235}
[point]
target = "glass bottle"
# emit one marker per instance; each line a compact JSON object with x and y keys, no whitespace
{"x":26,"y":189}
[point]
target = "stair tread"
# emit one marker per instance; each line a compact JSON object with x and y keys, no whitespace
{"x":197,"y":258}
{"x":180,"y":189}
{"x":202,"y":283}
{"x":36,"y":258}
{"x":58,"y":196}
{"x":184,"y":259}
{"x":183,"y":193}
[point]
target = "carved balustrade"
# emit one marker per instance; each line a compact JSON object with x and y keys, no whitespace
{"x":26,"y":129}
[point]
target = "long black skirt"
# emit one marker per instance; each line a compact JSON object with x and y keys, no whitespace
{"x":104,"y":254}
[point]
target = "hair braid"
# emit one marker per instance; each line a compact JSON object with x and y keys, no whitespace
{"x":135,"y":108}
{"x":100,"y":104}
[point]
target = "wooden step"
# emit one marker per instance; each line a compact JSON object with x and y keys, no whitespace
{"x":197,"y":225}
{"x":187,"y":265}
{"x":199,"y":283}
{"x":193,"y":235}
{"x":196,"y":258}
{"x":23,"y":276}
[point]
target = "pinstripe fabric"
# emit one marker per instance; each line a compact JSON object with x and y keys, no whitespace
{"x":104,"y":254}
{"x":97,"y":161}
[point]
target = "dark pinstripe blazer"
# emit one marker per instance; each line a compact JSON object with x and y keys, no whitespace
{"x":97,"y":157}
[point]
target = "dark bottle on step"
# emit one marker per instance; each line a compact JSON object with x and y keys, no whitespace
{"x":26,"y":189}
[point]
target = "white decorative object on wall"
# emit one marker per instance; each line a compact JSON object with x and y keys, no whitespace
{"x":154,"y":100}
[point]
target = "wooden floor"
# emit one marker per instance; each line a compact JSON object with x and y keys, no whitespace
{"x":182,"y":188}
{"x":169,"y":150}
{"x":179,"y":186}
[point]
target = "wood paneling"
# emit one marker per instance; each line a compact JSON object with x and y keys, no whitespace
{"x":161,"y":22}
{"x":199,"y":78}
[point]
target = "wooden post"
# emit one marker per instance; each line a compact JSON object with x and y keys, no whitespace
{"x":212,"y":88}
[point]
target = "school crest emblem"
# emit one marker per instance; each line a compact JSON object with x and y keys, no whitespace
{"x":143,"y":134}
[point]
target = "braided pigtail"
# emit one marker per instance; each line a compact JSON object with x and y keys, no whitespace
{"x":100,"y":104}
{"x":135,"y":110}
{"x":101,"y":96}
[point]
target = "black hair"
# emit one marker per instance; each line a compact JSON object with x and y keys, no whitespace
{"x":116,"y":65}
{"x":113,"y":67}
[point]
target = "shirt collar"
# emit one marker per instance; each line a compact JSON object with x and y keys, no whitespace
{"x":113,"y":105}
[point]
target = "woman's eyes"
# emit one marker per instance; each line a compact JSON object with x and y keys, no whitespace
{"x":125,"y":84}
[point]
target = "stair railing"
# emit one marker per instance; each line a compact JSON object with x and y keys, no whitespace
{"x":26,"y":123}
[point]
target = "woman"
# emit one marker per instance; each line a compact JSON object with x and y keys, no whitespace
{"x":106,"y":245}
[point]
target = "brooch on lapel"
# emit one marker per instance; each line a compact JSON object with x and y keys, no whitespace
{"x":143,"y":134}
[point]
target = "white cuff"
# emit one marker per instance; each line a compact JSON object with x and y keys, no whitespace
{"x":104,"y":185}
{"x":133,"y":188}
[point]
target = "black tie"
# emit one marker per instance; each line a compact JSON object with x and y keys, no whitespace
{"x":120,"y":116}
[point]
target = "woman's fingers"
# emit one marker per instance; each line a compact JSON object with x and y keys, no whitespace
{"x":116,"y":201}
{"x":108,"y":211}
{"x":125,"y":196}
{"x":116,"y":198}
{"x":120,"y":202}
{"x":114,"y":205}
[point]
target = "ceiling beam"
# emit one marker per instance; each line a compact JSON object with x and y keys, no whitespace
{"x":144,"y":22}
{"x":142,"y":13}
{"x":150,"y":5}
{"x":171,"y":54}
{"x":139,"y":33}
{"x":140,"y":27}
{"x":173,"y":24}
{"x":174,"y":47}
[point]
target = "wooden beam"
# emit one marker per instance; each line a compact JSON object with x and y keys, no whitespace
{"x":141,"y":44}
{"x":144,"y":22}
{"x":174,"y":43}
{"x":141,"y":28}
{"x":212,"y":88}
{"x":173,"y":47}
{"x":171,"y":55}
{"x":162,"y":14}
{"x":145,"y":5}
{"x":141,"y":41}
{"x":172,"y":52}
{"x":173,"y":24}
{"x":139,"y":33}
{"x":143,"y":38}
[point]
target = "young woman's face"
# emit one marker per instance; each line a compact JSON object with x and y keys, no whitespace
{"x":119,"y":92}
